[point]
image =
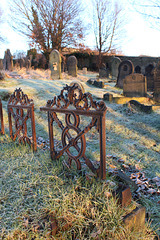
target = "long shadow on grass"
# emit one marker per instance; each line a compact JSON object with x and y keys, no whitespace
{"x":127,"y":136}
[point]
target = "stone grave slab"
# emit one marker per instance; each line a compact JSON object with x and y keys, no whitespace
{"x":114,"y":66}
{"x":72,"y":66}
{"x":135,"y":85}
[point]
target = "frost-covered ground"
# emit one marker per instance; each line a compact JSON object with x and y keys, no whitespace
{"x":131,"y":135}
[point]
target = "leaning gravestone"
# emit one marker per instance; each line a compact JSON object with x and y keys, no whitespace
{"x":156,"y":93}
{"x":8,"y":60}
{"x":135,"y":85}
{"x":114,"y":66}
{"x":55,"y":64}
{"x":72,"y":66}
{"x":125,"y":68}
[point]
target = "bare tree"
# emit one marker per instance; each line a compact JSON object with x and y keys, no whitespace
{"x":106,"y":25}
{"x":49,"y":24}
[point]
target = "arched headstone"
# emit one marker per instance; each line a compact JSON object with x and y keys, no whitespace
{"x":114,"y":66}
{"x":72,"y":66}
{"x":55,"y":64}
{"x":125,"y":68}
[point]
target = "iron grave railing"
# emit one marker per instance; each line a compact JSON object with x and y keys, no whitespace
{"x":74,"y":104}
{"x":20,"y":109}
{"x":1,"y":119}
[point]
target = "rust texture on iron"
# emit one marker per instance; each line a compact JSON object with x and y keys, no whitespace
{"x":1,"y":119}
{"x":20,"y":109}
{"x":74,"y":103}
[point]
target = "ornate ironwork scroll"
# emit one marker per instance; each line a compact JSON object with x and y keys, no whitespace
{"x":74,"y":104}
{"x":1,"y":119}
{"x":20,"y":109}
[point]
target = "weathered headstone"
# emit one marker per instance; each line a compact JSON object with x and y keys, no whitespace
{"x":114,"y":66}
{"x":135,"y":85}
{"x":125,"y":68}
{"x":8,"y":60}
{"x":55,"y":64}
{"x":72,"y":66}
{"x":157,"y":83}
{"x":103,"y":72}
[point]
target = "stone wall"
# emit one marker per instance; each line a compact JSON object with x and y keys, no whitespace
{"x":91,"y":61}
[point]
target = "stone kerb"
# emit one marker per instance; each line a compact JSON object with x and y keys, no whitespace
{"x":114,"y":66}
{"x":55,"y":64}
{"x":125,"y":68}
{"x":72,"y":66}
{"x":135,"y":85}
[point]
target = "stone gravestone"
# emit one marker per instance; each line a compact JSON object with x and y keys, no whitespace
{"x":114,"y":66}
{"x":103,"y":72}
{"x":135,"y":85}
{"x":125,"y":68}
{"x":156,"y":93}
{"x":72,"y":66}
{"x":8,"y":60}
{"x":55,"y":64}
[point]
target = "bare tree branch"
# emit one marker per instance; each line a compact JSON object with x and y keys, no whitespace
{"x":48,"y":23}
{"x":106,"y":16}
{"x":150,"y":10}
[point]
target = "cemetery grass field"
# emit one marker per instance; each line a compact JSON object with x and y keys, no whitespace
{"x":36,"y":190}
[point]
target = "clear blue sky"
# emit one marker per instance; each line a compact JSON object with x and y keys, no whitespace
{"x":140,"y":38}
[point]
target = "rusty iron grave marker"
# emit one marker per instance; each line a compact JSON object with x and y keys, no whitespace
{"x":73,"y":104}
{"x":21,"y":109}
{"x":1,"y":119}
